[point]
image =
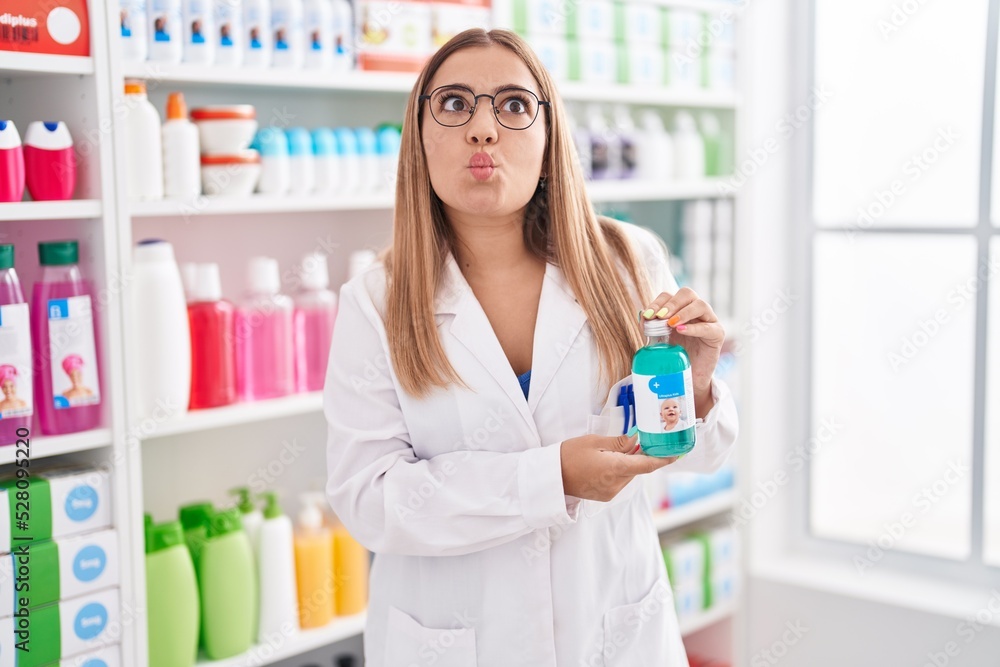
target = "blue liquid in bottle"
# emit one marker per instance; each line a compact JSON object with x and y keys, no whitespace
{"x":664,"y":394}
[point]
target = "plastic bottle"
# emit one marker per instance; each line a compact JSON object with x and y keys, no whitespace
{"x":213,"y":363}
{"x":265,"y":366}
{"x":350,"y":160}
{"x":350,"y":567}
{"x":581,"y":140}
{"x":16,"y":404}
{"x":313,"y":555}
{"x":49,"y":161}
{"x":11,"y":163}
{"x":279,"y":605}
{"x":229,"y":33}
{"x":629,"y":138}
{"x":303,"y":168}
{"x":275,"y":165}
{"x":371,"y":175}
{"x":189,"y":276}
{"x":718,"y":147}
{"x":162,"y":334}
{"x":319,"y":40}
{"x":144,"y":145}
{"x":664,"y":394}
{"x":173,"y":611}
{"x":195,"y":519}
{"x":287,"y":33}
{"x":165,"y":31}
{"x":199,"y":32}
{"x":257,"y":49}
{"x":181,"y":151}
{"x":324,"y":144}
{"x":134,"y":38}
{"x":342,"y":35}
{"x":656,"y":150}
{"x":605,"y":146}
{"x":689,"y":148}
{"x":67,"y":387}
{"x":250,"y":516}
{"x":315,"y":314}
{"x":388,"y":156}
{"x":228,"y":583}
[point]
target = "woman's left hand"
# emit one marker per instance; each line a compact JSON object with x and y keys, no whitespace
{"x":696,"y":328}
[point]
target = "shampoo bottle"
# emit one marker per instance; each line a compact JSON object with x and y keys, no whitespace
{"x":11,"y":163}
{"x":315,"y":314}
{"x":350,"y":565}
{"x":228,"y":582}
{"x":313,"y":555}
{"x":171,"y":598}
{"x":213,"y":362}
{"x":181,"y":151}
{"x":16,"y":407}
{"x":250,"y":516}
{"x":279,"y":607}
{"x":265,"y":356}
{"x":144,"y":146}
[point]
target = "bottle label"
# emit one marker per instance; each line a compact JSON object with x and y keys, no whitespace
{"x":165,"y":15}
{"x":664,"y":403}
{"x":73,"y":354}
{"x":255,"y":28}
{"x":15,"y":362}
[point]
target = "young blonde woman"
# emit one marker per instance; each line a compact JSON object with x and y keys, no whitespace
{"x":467,"y":369}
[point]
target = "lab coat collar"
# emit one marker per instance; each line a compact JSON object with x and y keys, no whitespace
{"x":557,"y":327}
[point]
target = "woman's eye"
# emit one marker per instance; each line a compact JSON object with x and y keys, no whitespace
{"x":514,"y":105}
{"x":455,"y":104}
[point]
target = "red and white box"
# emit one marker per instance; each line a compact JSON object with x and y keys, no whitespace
{"x":57,"y":27}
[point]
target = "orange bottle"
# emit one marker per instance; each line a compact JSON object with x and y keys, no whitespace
{"x":313,"y":553}
{"x":350,"y":571}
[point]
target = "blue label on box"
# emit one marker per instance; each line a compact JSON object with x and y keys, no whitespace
{"x":89,"y":563}
{"x":91,"y":621}
{"x":81,"y":503}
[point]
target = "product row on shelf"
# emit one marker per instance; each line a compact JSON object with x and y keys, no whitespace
{"x":224,"y":580}
{"x":706,"y":252}
{"x":703,"y":570}
{"x":45,"y":163}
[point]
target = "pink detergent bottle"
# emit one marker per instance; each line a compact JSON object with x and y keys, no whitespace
{"x":11,"y":163}
{"x":15,"y":354}
{"x":315,"y":314}
{"x":67,"y":380}
{"x":264,"y":354}
{"x":49,"y":162}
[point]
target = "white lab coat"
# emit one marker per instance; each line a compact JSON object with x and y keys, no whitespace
{"x":480,"y":559}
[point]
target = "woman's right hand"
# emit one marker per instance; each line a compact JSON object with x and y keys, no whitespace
{"x":596,"y":467}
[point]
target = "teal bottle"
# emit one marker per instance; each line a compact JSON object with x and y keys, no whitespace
{"x":664,"y":394}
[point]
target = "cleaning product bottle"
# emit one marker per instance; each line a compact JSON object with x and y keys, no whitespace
{"x":287,"y":33}
{"x":229,"y":28}
{"x":195,"y":518}
{"x":279,"y":606}
{"x":250,"y":516}
{"x":324,"y":143}
{"x":181,"y":151}
{"x":342,"y":36}
{"x":162,"y":334}
{"x":16,"y":407}
{"x":629,"y":138}
{"x":605,"y":146}
{"x":144,"y":145}
{"x":132,"y":19}
{"x":319,"y":44}
{"x":313,"y":555}
{"x":49,"y":161}
{"x":689,"y":148}
{"x":173,"y":611}
{"x":228,"y":583}
{"x":301,"y":161}
{"x":350,"y":161}
{"x":165,"y":31}
{"x":11,"y":163}
{"x":655,"y":156}
{"x":664,"y":394}
{"x":265,"y":356}
{"x":350,"y":571}
{"x":258,"y":50}
{"x":213,"y":364}
{"x":199,"y":32}
{"x":315,"y":314}
{"x":67,"y":387}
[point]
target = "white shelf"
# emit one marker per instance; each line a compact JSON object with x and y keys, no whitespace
{"x":688,"y":513}
{"x":241,"y":413}
{"x":575,"y":91}
{"x":15,"y":62}
{"x":51,"y":210}
{"x":636,"y":191}
{"x":215,"y":205}
{"x":52,"y":445}
{"x":306,"y":640}
{"x":710,"y":616}
{"x":710,"y":6}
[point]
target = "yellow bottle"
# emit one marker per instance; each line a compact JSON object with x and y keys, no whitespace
{"x":313,"y":553}
{"x":350,"y":571}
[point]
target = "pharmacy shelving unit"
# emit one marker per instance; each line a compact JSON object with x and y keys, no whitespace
{"x":158,"y":465}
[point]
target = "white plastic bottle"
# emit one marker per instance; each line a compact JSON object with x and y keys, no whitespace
{"x":275,"y":166}
{"x":161,"y":332}
{"x":318,"y":33}
{"x":655,"y":156}
{"x":134,"y":37}
{"x":388,"y":154}
{"x":144,"y":150}
{"x":181,"y":152}
{"x":327,"y":165}
{"x":342,"y":35}
{"x":250,"y":516}
{"x":605,"y":146}
{"x":368,"y":159}
{"x":350,"y":162}
{"x":199,"y":32}
{"x":279,"y":604}
{"x":257,"y":48}
{"x":689,"y":148}
{"x":301,"y":161}
{"x":229,"y":36}
{"x":287,"y":33}
{"x":166,"y":35}
{"x":629,"y":139}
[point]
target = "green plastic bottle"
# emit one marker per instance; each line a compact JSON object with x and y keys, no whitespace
{"x":229,"y":592}
{"x":171,"y":598}
{"x":195,"y":519}
{"x":664,"y":394}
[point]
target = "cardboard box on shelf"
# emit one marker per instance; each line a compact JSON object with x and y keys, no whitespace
{"x":57,"y":27}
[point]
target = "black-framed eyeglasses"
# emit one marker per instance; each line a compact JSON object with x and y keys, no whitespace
{"x":454,"y":105}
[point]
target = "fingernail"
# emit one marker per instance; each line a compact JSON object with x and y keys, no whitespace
{"x":681,"y":328}
{"x":663,"y":312}
{"x":673,"y":320}
{"x":647,"y":313}
{"x":632,"y":431}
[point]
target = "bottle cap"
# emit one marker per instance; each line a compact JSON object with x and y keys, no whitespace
{"x":153,"y":250}
{"x":225,"y":522}
{"x":270,"y":142}
{"x":196,"y":515}
{"x":311,"y":515}
{"x":388,"y":141}
{"x":208,"y":283}
{"x":300,"y":143}
{"x":244,"y":503}
{"x":48,"y":135}
{"x":135,"y":87}
{"x":176,"y":107}
{"x":9,"y":137}
{"x":314,"y":272}
{"x":189,"y":276}
{"x":263,"y":276}
{"x":367,"y":143}
{"x":324,"y":142}
{"x":165,"y":535}
{"x":58,"y":253}
{"x":655,"y":327}
{"x":6,"y":256}
{"x":347,"y":141}
{"x":272,"y":510}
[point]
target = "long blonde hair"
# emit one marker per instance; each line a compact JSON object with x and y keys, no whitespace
{"x":560,"y":227}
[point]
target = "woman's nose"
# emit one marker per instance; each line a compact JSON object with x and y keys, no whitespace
{"x":482,"y":129}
